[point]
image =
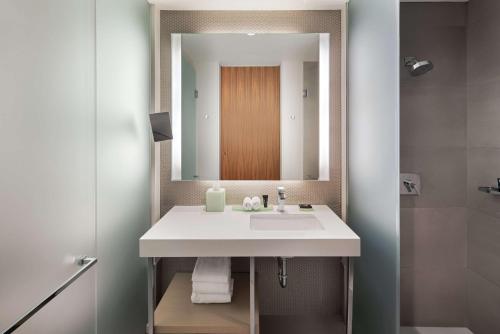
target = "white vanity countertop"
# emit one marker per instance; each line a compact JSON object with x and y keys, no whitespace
{"x":190,"y":231}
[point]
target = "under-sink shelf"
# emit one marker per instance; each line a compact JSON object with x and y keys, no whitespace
{"x":176,"y":314}
{"x":300,"y":324}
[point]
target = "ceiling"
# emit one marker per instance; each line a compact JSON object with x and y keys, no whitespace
{"x":262,"y":4}
{"x":434,"y":0}
{"x":249,"y":4}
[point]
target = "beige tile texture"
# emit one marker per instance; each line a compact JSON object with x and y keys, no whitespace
{"x":449,"y":134}
{"x":483,"y":305}
{"x":434,"y":106}
{"x":433,"y":265}
{"x":445,"y":46}
{"x":484,"y":245}
{"x":443,"y":174}
{"x":433,"y":238}
{"x":483,"y":50}
{"x":483,"y":122}
{"x":483,"y":170}
{"x":433,"y":297}
{"x":483,"y":166}
{"x":434,"y":144}
{"x":439,"y":15}
{"x":482,"y":10}
{"x":433,"y":118}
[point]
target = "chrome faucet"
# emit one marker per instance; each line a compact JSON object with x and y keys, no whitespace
{"x":281,"y":199}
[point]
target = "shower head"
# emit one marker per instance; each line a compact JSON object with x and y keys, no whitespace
{"x":417,"y":67}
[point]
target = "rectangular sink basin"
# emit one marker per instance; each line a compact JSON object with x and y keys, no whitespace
{"x":285,"y":222}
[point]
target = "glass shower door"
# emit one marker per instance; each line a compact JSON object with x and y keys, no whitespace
{"x":47,"y":178}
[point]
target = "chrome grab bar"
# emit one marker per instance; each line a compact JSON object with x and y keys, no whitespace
{"x":491,"y":190}
{"x":85,"y":261}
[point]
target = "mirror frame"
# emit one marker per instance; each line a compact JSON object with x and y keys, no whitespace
{"x":324,"y":107}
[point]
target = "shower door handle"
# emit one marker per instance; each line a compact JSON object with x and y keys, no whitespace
{"x":85,"y":262}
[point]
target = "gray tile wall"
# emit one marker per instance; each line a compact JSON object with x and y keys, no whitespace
{"x":483,"y":157}
{"x":434,"y":145}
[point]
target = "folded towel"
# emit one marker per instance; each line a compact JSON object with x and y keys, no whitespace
{"x":212,"y":298}
{"x":255,"y":203}
{"x":247,"y":203}
{"x":209,"y":287}
{"x":197,"y":298}
{"x":212,"y":269}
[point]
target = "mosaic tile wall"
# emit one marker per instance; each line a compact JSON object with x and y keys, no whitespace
{"x":317,"y":283}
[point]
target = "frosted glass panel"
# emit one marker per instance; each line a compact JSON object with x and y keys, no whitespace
{"x":63,"y":180}
{"x":71,"y":312}
{"x":47,"y":174}
{"x":123,"y":163}
{"x":373,"y":144}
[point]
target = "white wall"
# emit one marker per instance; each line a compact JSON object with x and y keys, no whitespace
{"x":292,"y":120}
{"x":208,"y":119}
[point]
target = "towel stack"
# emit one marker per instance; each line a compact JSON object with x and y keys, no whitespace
{"x":212,"y":281}
{"x":250,"y":204}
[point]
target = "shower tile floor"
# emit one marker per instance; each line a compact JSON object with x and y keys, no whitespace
{"x":434,"y":330}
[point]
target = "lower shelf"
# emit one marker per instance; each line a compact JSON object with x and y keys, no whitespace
{"x":295,"y":324}
{"x":176,"y":314}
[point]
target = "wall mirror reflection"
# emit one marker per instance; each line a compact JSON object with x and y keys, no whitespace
{"x":250,"y":106}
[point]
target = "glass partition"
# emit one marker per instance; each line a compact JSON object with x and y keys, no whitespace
{"x":75,"y":177}
{"x":373,"y":151}
{"x":47,"y":140}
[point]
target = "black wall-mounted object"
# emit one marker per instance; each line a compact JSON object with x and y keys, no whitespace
{"x":160,"y":124}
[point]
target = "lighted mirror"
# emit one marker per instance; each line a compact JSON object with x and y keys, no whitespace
{"x":250,"y":106}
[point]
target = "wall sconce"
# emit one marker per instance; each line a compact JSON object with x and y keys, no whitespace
{"x":161,"y":127}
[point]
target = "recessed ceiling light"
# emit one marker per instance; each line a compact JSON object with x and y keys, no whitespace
{"x":251,"y":34}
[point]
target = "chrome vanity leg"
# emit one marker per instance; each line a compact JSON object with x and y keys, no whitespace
{"x":350,"y":289}
{"x":151,"y":293}
{"x":252,"y":295}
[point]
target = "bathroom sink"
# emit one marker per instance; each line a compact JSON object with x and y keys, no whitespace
{"x":285,"y":222}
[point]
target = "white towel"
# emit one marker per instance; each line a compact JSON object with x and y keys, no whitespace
{"x":209,"y":287}
{"x":247,"y":204}
{"x":255,"y":203}
{"x":212,"y":269}
{"x":212,"y":298}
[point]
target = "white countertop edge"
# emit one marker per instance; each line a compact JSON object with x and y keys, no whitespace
{"x":158,"y":242}
{"x":252,"y":248}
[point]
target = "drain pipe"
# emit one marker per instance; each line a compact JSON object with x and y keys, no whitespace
{"x":283,"y":273}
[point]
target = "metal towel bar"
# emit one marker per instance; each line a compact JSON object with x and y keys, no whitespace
{"x":85,"y":261}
